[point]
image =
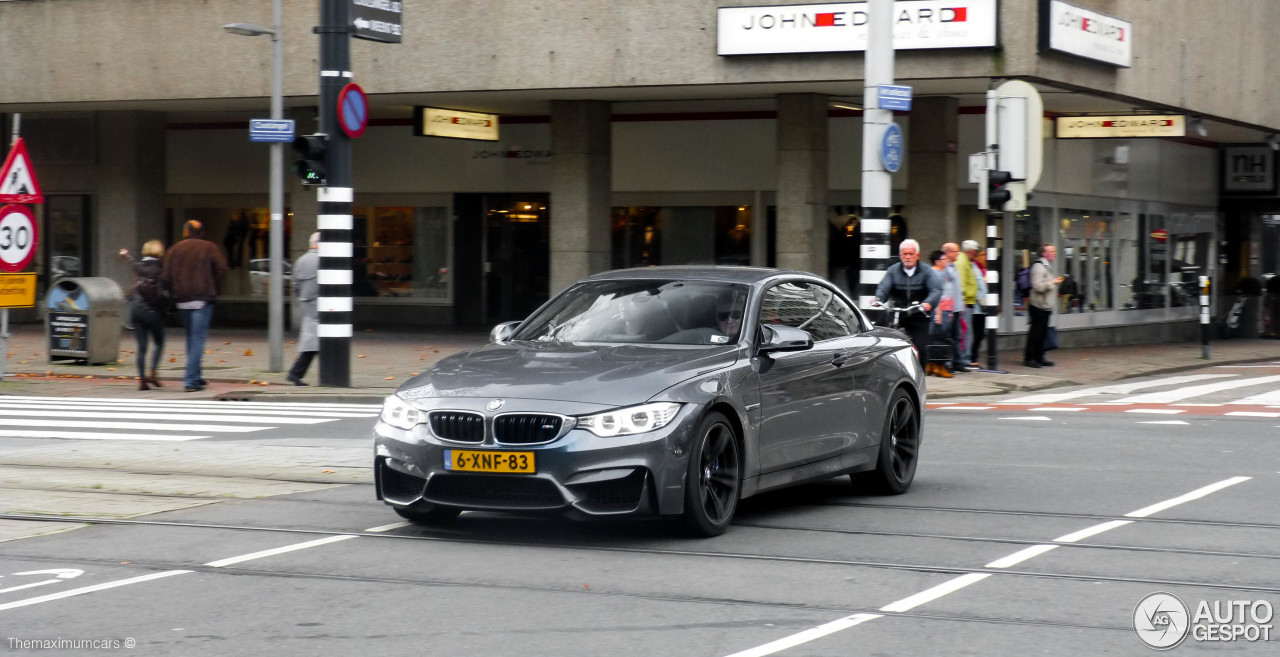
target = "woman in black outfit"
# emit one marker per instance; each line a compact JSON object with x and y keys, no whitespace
{"x":148,"y":302}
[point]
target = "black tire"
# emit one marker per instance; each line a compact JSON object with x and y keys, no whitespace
{"x":435,"y":515}
{"x":714,"y":479}
{"x":899,"y":448}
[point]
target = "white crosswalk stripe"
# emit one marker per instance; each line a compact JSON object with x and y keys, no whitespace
{"x":1178,"y":394}
{"x":1116,"y":389}
{"x":94,"y":418}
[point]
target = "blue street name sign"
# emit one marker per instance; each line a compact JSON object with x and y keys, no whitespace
{"x":891,"y":147}
{"x":270,"y":130}
{"x":895,"y":97}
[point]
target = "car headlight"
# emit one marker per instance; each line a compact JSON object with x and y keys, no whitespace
{"x":634,"y":419}
{"x":400,"y":415}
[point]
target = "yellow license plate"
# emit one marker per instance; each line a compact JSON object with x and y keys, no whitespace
{"x":489,"y":461}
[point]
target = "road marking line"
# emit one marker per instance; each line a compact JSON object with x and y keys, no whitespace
{"x":280,"y":550}
{"x":6,"y":413}
{"x":1252,"y":414}
{"x":1020,"y":556}
{"x":950,"y":586}
{"x":1181,"y":499}
{"x":1196,"y":391}
{"x":805,"y":636}
{"x":1200,"y":405}
{"x":1164,"y":422}
{"x":89,"y":589}
{"x":1037,"y":418}
{"x":1055,"y":409}
{"x":158,"y":408}
{"x":1091,"y":531}
{"x":85,"y":435}
{"x":28,"y":586}
{"x":1156,"y":411}
{"x":219,"y":404}
{"x":1119,"y":389}
{"x":158,"y":426}
{"x":387,"y":528}
{"x":969,"y":408}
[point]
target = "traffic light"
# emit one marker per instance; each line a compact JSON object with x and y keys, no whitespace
{"x":998,"y":193}
{"x":309,"y":167}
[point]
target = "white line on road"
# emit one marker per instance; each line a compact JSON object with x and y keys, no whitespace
{"x":158,"y":408}
{"x":89,"y":435}
{"x":949,"y":586}
{"x":1181,"y":499}
{"x":1156,"y":411}
{"x":1264,"y":399}
{"x":157,"y":426}
{"x":4,"y":413}
{"x":210,"y":402}
{"x":1164,"y":422}
{"x":1057,"y":409}
{"x":1035,"y":418}
{"x":387,"y":528}
{"x":967,"y":408}
{"x":1091,"y":531}
{"x":1119,"y":389}
{"x":29,"y":586}
{"x":1253,"y":414}
{"x":1020,"y":556}
{"x":89,"y":589}
{"x":1196,"y":391}
{"x":806,"y":636}
{"x":280,"y":550}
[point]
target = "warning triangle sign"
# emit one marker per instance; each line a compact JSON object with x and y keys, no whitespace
{"x":17,"y":179}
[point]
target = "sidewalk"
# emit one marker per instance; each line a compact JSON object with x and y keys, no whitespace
{"x":235,"y":365}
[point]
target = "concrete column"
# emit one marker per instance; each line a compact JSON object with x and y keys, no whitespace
{"x":130,"y":187}
{"x":802,"y":183}
{"x":581,"y":190}
{"x":932,"y":197}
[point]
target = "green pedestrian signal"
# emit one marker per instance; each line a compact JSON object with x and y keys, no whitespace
{"x":309,"y":167}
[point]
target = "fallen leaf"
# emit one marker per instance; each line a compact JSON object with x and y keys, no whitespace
{"x":111,"y":369}
{"x":263,"y":383}
{"x":360,"y":356}
{"x":387,"y":378}
{"x":252,"y":381}
{"x":414,"y":374}
{"x":173,"y":360}
{"x":227,"y":342}
{"x":248,"y":352}
{"x":22,"y":362}
{"x":327,"y":471}
{"x":88,"y":376}
{"x":208,"y":351}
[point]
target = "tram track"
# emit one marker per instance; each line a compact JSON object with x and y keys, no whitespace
{"x":776,"y":558}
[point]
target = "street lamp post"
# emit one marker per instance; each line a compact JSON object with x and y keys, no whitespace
{"x":275,"y":294}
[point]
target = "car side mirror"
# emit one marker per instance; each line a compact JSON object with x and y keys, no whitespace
{"x":778,"y":338}
{"x":502,"y":333}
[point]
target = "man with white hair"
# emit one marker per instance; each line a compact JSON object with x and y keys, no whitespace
{"x":306,"y":287}
{"x":906,"y":283}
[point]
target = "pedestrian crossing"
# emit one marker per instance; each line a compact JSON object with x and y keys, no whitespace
{"x":1221,"y":392}
{"x":93,"y":418}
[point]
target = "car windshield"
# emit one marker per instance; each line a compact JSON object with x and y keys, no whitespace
{"x":644,"y":312}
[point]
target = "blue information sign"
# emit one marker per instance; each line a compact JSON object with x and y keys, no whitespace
{"x":895,"y":97}
{"x":891,"y":148}
{"x":270,"y":130}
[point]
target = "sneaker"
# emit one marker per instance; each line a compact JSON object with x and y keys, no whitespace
{"x":1046,"y":363}
{"x":1031,"y":363}
{"x":295,"y":381}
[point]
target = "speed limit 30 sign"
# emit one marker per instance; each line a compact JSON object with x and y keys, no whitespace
{"x":18,"y":236}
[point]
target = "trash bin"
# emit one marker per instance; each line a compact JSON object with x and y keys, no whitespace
{"x":83,"y":318}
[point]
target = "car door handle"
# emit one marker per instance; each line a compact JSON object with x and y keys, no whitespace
{"x":839,"y":359}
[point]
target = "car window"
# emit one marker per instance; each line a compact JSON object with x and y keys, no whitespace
{"x":790,"y":304}
{"x":837,"y":319}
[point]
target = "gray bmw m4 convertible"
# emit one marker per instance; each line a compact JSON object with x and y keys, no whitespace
{"x":675,"y":391}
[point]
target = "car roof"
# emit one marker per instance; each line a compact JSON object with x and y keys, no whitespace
{"x":748,"y":275}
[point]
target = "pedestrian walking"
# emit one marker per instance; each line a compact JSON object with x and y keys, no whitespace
{"x":193,"y":272}
{"x":306,"y":288}
{"x":149,"y":300}
{"x":978,"y":258}
{"x":1040,"y":305}
{"x":940,"y":327}
{"x":908,"y":282}
{"x":966,"y":291}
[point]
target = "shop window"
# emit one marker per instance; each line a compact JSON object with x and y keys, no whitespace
{"x":400,"y":252}
{"x":245,"y":237}
{"x":1029,"y":235}
{"x":645,"y":236}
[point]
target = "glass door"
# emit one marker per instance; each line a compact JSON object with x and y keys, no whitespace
{"x":66,"y":237}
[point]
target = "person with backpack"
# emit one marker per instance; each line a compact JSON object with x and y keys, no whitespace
{"x":148,"y":302}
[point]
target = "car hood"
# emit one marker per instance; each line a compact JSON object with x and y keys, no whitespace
{"x":610,"y":375}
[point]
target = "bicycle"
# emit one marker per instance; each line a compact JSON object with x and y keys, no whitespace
{"x":898,"y":313}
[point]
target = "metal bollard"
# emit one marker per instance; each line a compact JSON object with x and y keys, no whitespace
{"x":1204,"y":317}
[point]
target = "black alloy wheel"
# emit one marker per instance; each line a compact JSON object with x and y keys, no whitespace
{"x":714,"y":480}
{"x":899,"y":448}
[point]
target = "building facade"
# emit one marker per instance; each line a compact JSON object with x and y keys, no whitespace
{"x":656,"y":132}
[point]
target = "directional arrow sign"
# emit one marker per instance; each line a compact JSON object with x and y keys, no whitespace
{"x":377,"y":20}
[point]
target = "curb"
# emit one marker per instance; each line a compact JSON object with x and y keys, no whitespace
{"x":362,"y":397}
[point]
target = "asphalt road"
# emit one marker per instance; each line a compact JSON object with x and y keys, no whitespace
{"x":1021,"y":536}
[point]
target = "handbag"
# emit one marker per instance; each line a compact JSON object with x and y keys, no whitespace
{"x":1051,"y":339}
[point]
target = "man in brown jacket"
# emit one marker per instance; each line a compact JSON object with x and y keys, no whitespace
{"x":193,"y":271}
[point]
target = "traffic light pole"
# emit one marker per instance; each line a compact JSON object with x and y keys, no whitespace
{"x":877,"y":184}
{"x":994,"y":218}
{"x":334,"y":215}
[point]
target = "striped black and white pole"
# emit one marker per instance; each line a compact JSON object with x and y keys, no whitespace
{"x":877,"y":184}
{"x":1204,"y":317}
{"x":334,"y":215}
{"x":992,"y":302}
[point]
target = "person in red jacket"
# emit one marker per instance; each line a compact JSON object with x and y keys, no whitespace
{"x":192,"y":272}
